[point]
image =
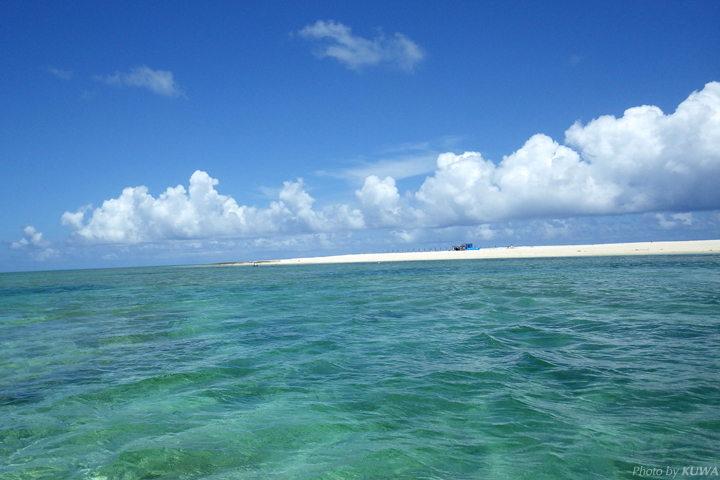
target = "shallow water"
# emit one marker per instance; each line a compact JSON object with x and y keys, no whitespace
{"x":533,"y":368}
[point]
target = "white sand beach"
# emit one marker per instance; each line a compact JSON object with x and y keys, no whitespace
{"x":641,"y":248}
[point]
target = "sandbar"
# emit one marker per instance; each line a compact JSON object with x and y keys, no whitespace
{"x":608,"y":249}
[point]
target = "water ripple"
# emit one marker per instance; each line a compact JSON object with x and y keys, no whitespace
{"x":548,"y":368}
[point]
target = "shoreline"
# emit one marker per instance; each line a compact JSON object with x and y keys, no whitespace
{"x":688,"y":247}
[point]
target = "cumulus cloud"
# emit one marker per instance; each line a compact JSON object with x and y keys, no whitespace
{"x":34,"y":243}
{"x":542,"y":178}
{"x":659,"y":162}
{"x":157,"y":81}
{"x":381,"y":201}
{"x":357,"y":52}
{"x":202,"y":212}
{"x":644,"y":161}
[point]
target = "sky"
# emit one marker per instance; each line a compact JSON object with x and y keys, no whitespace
{"x":165,"y":133}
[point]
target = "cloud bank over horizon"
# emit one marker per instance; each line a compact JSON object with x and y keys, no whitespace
{"x":642,"y":162}
{"x":201,"y":212}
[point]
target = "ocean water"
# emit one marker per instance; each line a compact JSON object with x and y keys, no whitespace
{"x":501,"y":369}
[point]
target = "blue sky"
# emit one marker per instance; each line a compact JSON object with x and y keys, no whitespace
{"x":313,"y":128}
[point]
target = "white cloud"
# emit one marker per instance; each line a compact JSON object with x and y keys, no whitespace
{"x":75,"y":220}
{"x":201,"y":212}
{"x":357,"y":52}
{"x":157,"y":81}
{"x":642,"y":162}
{"x":379,"y":193}
{"x":32,"y":238}
{"x":34,"y":243}
{"x":542,"y":178}
{"x":659,"y":162}
{"x":380,"y":199}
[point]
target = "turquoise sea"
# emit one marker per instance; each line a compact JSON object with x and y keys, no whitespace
{"x":574,"y":368}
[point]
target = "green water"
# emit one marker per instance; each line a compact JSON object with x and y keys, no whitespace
{"x":544,"y":368}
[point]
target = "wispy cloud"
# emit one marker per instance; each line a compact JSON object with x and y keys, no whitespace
{"x":398,"y":168}
{"x":61,"y":74}
{"x":403,"y":160}
{"x":157,"y":81}
{"x":357,"y":52}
